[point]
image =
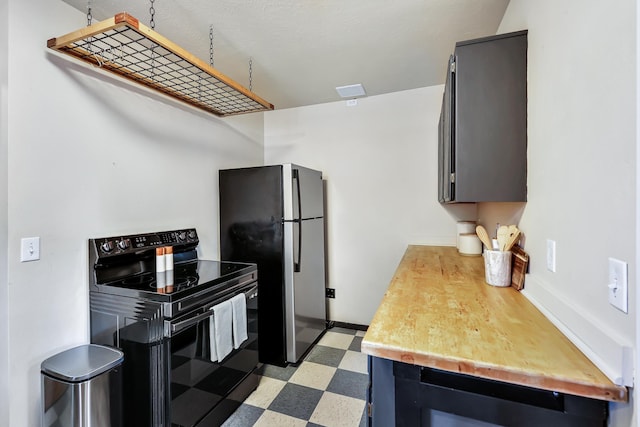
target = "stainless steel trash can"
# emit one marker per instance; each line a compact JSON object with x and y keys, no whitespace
{"x":82,"y":387}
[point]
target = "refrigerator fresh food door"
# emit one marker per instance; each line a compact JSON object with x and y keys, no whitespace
{"x":303,"y":193}
{"x":251,"y":230}
{"x":304,"y":289}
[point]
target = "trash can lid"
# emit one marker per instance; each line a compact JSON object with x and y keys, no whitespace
{"x":82,"y":363}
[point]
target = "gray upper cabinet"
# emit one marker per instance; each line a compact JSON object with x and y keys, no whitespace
{"x":483,"y":123}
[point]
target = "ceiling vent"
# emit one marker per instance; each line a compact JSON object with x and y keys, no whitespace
{"x":351,"y":91}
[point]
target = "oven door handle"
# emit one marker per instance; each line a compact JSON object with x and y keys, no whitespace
{"x":174,"y":328}
{"x":179,"y":326}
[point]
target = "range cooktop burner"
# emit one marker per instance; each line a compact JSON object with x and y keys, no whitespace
{"x":186,"y":276}
{"x":178,"y":283}
{"x":139,"y":281}
{"x":148,"y":281}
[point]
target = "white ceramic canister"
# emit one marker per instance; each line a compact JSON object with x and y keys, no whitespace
{"x":470,"y":244}
{"x":464,"y":227}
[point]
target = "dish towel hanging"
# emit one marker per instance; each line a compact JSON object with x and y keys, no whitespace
{"x":239,"y":304}
{"x":220,"y":330}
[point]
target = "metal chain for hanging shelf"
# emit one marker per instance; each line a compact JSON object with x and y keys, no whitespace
{"x":152,"y":23}
{"x":89,"y":16}
{"x":250,"y":74}
{"x":211,"y":45}
{"x":124,"y":46}
{"x":89,"y":21}
{"x":152,"y":12}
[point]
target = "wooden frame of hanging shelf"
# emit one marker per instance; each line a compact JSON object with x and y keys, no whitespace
{"x":124,"y":46}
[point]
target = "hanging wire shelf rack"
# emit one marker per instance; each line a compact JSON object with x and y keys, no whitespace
{"x":124,"y":46}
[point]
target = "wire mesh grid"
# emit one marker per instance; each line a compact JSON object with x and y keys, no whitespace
{"x":126,"y":52}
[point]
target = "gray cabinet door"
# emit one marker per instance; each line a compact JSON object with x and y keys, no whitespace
{"x":489,"y":120}
{"x":445,"y":145}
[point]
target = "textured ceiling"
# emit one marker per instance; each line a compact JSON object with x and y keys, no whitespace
{"x":302,"y":50}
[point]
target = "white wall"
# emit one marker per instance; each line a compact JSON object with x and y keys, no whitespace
{"x":4,"y":305}
{"x":89,"y":156}
{"x":582,"y":167}
{"x":379,"y":162}
{"x":636,"y":403}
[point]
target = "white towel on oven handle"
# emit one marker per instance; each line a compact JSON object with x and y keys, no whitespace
{"x":221,"y":331}
{"x":213,"y":351}
{"x":239,"y":304}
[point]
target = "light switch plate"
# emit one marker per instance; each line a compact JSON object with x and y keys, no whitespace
{"x":618,"y":284}
{"x":30,"y":249}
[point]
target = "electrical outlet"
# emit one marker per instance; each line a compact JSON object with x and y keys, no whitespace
{"x":551,"y":255}
{"x":29,"y":249}
{"x":618,"y":284}
{"x":331,"y":293}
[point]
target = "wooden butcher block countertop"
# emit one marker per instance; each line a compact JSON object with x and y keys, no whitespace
{"x":439,"y":312}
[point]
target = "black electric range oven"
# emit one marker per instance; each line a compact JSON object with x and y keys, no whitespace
{"x":161,"y":320}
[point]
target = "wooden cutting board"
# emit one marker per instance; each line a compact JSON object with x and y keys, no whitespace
{"x":520,"y":262}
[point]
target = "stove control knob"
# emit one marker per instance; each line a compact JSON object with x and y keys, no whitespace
{"x":124,"y":244}
{"x":182,"y":235}
{"x":192,"y":234}
{"x":107,"y":246}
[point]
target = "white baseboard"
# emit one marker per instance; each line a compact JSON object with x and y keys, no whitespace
{"x":613,"y":356}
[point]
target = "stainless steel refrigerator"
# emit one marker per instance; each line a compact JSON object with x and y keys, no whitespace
{"x":273,"y":216}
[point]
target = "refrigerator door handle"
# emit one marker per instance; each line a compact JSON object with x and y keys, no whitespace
{"x":296,"y":264}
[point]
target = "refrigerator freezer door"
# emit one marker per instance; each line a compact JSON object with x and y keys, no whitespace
{"x":305,"y":289}
{"x":303,"y":192}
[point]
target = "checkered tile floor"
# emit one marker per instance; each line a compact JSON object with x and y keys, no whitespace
{"x":328,"y":388}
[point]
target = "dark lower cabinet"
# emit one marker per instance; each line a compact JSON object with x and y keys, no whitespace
{"x":407,"y":395}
